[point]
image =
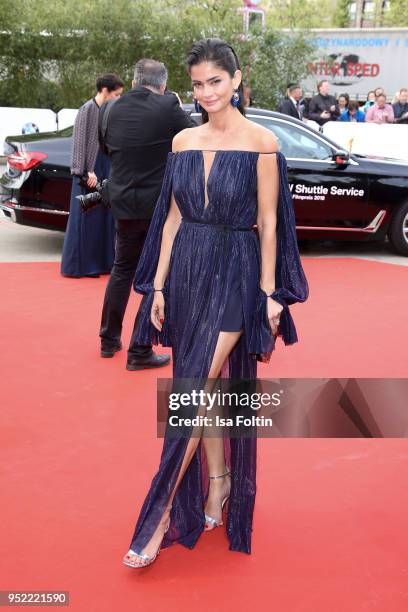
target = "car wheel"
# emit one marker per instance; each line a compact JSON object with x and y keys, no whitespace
{"x":398,"y":230}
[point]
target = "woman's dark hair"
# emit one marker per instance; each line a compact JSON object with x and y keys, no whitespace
{"x":346,"y":97}
{"x":222,"y":55}
{"x":110,"y":81}
{"x":353,"y":105}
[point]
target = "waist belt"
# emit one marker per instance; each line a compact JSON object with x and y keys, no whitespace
{"x":218,"y":226}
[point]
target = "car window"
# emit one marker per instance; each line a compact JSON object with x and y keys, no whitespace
{"x":295,"y":142}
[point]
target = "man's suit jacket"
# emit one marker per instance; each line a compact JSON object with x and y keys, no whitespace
{"x":139,"y":132}
{"x":287,"y":107}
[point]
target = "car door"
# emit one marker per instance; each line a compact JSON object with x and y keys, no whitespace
{"x":325,"y":195}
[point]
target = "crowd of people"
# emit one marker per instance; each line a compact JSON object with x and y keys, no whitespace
{"x":324,"y":107}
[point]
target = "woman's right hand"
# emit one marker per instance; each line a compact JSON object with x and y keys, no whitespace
{"x":157,"y":312}
{"x":92,"y":180}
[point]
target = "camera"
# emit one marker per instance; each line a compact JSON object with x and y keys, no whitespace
{"x":99,"y":196}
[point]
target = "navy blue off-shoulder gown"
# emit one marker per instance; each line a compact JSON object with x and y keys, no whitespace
{"x":212,"y":240}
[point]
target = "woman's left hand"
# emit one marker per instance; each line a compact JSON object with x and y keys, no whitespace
{"x":274,"y":311}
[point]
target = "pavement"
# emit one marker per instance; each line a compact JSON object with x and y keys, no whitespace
{"x":374,"y":251}
{"x":20,"y":243}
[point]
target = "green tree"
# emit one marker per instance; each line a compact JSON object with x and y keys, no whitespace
{"x":304,"y":15}
{"x":341,"y":16}
{"x":397,"y":14}
{"x":278,"y":60}
{"x":51,"y":52}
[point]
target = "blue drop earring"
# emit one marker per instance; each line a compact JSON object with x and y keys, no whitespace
{"x":197,"y":106}
{"x":235,"y":98}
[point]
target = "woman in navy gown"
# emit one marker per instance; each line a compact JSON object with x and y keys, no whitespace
{"x":89,"y":242}
{"x":218,"y":295}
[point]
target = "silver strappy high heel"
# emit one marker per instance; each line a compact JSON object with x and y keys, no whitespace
{"x":140,"y":560}
{"x":212,"y":523}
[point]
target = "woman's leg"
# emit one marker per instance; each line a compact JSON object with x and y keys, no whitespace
{"x":219,"y":488}
{"x":215,"y":454}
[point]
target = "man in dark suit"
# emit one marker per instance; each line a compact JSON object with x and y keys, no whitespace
{"x":137,"y":134}
{"x":290,"y":105}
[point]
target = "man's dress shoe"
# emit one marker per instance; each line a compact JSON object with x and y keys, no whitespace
{"x":109,"y":351}
{"x":152,"y":361}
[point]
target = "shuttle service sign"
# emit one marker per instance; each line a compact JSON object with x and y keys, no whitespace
{"x":357,"y":61}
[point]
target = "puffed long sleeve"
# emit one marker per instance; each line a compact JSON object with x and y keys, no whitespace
{"x":291,"y":285}
{"x":146,"y":333}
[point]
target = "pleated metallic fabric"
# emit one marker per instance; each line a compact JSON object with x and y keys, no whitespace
{"x":214,"y":236}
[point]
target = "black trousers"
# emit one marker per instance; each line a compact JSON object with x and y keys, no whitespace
{"x":130,"y":237}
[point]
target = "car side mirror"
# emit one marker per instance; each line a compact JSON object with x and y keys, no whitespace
{"x":341,"y":157}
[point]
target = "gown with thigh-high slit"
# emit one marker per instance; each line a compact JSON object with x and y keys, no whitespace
{"x":213,"y":285}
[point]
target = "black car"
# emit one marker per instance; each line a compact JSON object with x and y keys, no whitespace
{"x":336,"y":195}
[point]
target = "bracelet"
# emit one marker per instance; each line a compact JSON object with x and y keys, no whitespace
{"x":158,"y":290}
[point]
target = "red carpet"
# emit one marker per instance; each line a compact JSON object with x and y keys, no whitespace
{"x":78,"y":451}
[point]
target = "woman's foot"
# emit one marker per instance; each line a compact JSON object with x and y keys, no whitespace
{"x":218,"y":494}
{"x":152,"y":549}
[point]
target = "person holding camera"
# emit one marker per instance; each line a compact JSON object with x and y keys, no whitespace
{"x":323,"y":107}
{"x":137,"y":132}
{"x":89,"y":241}
{"x":353,"y":113}
{"x":380,"y":112}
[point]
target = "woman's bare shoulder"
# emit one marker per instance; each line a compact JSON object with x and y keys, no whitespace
{"x":187,"y":139}
{"x":180,"y":139}
{"x":263,"y":139}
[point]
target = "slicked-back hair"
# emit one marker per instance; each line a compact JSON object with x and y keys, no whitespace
{"x":293,"y":87}
{"x":220,"y":53}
